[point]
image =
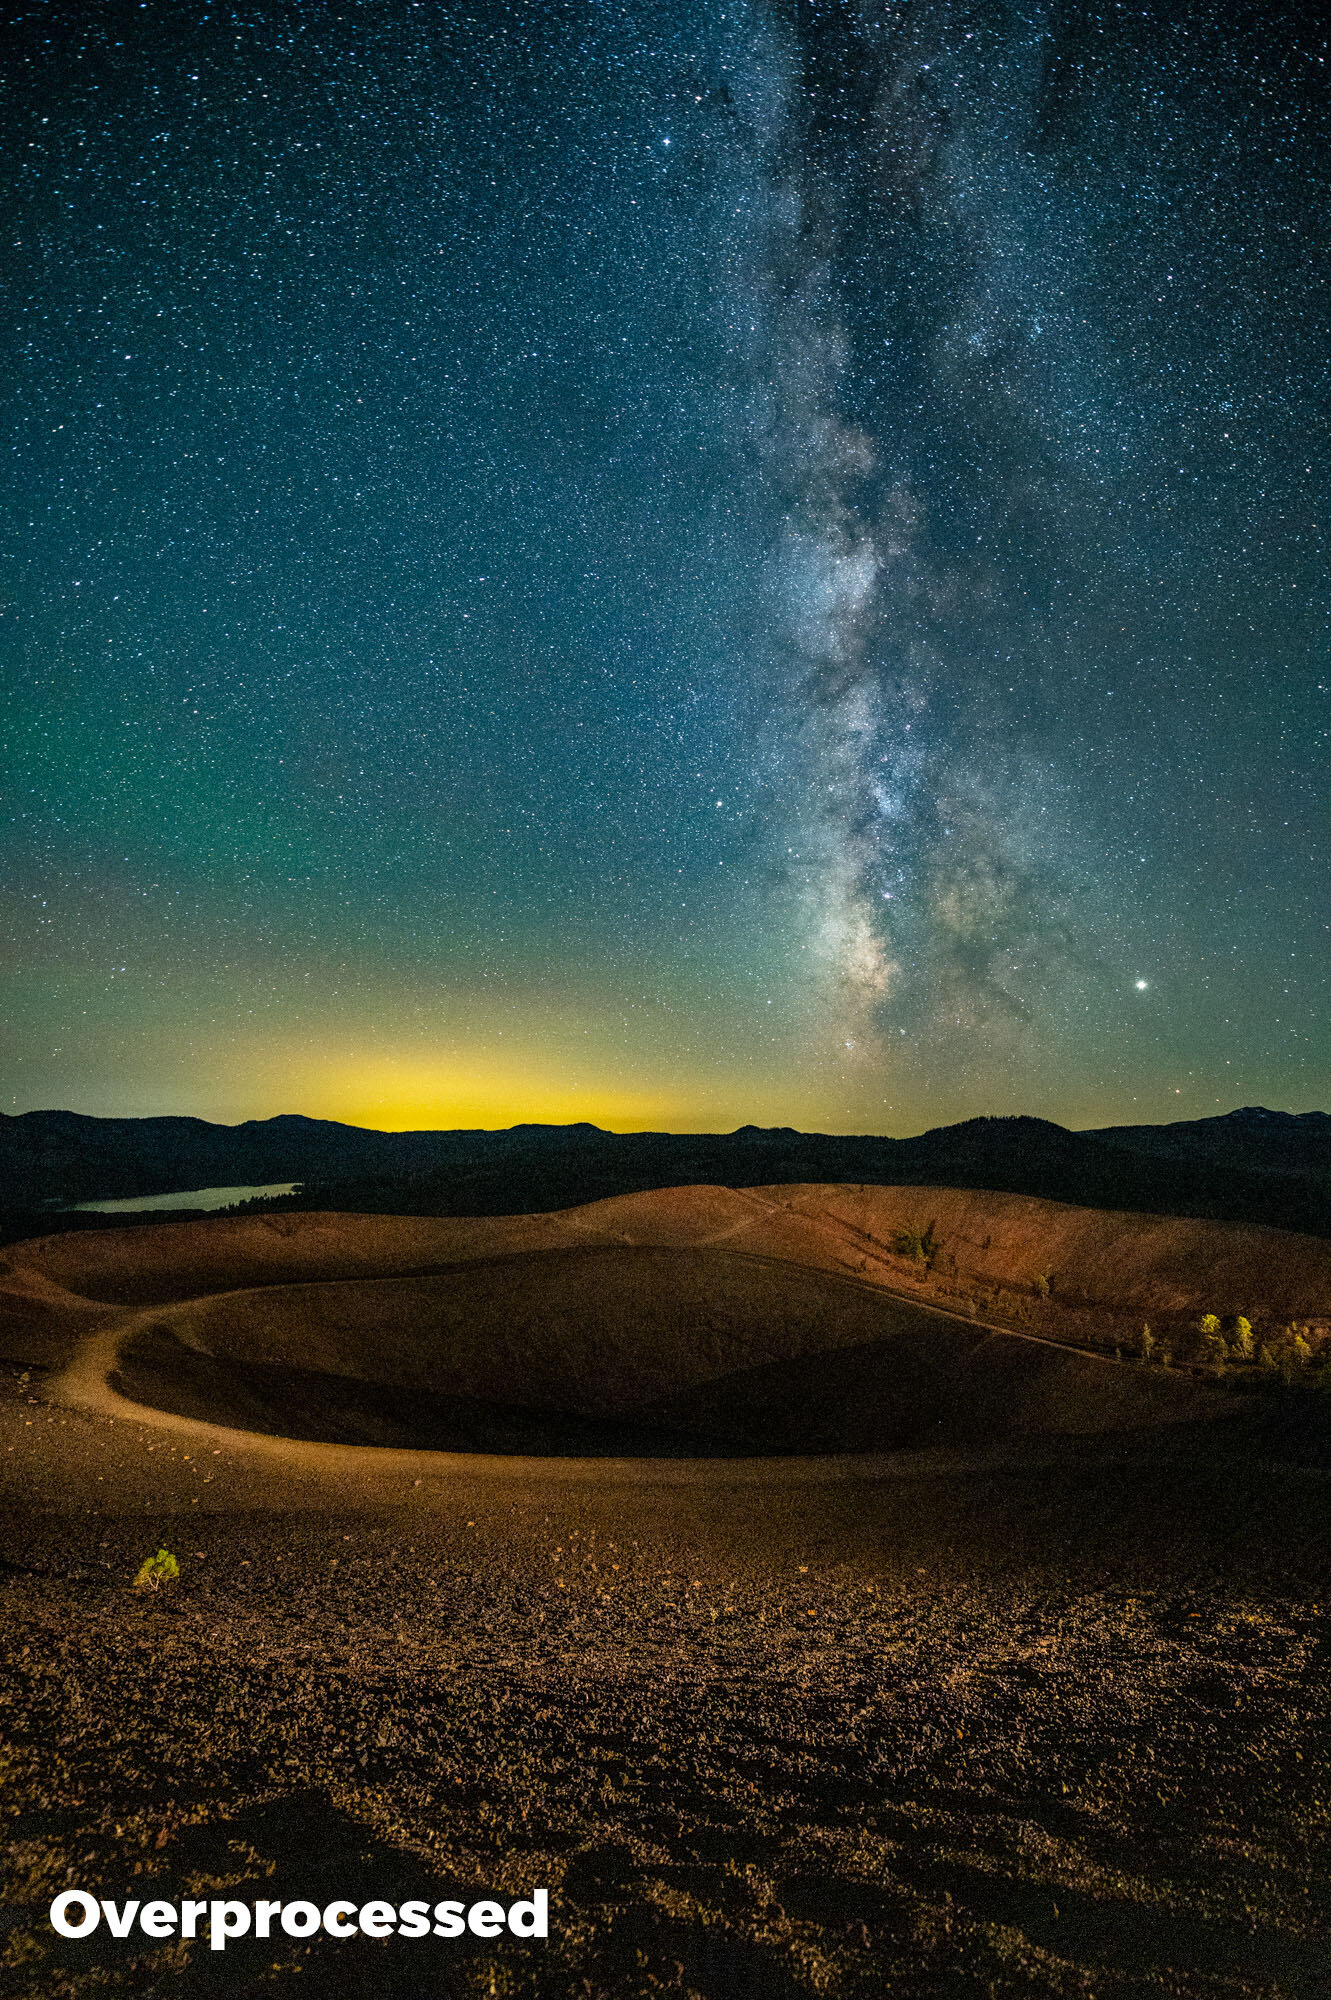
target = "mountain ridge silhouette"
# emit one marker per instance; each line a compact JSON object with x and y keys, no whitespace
{"x":1248,"y":1165}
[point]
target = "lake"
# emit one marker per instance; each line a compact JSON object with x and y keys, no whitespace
{"x":216,"y":1197}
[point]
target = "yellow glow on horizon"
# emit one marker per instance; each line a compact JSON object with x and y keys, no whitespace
{"x":393,"y":1094}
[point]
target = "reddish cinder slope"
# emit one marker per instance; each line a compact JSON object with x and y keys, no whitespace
{"x":381,"y":1349}
{"x":1148,"y":1263}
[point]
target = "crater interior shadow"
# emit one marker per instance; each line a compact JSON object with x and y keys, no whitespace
{"x":162,"y":1372}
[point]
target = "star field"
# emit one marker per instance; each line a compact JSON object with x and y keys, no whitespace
{"x":670,"y":564}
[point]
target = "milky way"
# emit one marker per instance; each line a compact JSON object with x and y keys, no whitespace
{"x":973,"y":453}
{"x":673,"y":564}
{"x":928,"y":878}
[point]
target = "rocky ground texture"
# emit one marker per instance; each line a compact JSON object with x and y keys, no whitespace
{"x":1060,"y":1728}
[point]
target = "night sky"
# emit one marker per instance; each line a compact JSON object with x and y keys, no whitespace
{"x":665,"y":563}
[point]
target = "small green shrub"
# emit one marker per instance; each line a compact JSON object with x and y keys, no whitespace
{"x":1041,"y":1281}
{"x":1242,"y":1339}
{"x":921,"y":1244}
{"x":1146,"y":1343}
{"x":156,"y":1570}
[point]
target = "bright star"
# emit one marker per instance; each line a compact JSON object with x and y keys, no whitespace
{"x":1141,"y":985}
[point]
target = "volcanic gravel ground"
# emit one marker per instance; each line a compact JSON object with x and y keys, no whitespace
{"x":1057,"y":1730}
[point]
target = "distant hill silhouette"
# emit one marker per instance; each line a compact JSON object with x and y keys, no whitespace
{"x":1270,"y":1141}
{"x":1251,"y":1166}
